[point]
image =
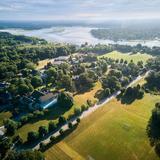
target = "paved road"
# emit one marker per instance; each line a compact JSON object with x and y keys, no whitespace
{"x":92,"y":109}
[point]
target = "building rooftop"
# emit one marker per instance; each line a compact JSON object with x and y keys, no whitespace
{"x":47,"y":97}
{"x":37,"y":94}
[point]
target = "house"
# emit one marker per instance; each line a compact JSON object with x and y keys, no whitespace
{"x":27,"y":101}
{"x":47,"y":100}
{"x":36,"y":95}
{"x":39,"y":100}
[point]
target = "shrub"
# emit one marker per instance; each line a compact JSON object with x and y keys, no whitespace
{"x":77,"y":111}
{"x":62,"y":120}
{"x":61,"y":131}
{"x":30,"y":116}
{"x":83,"y":108}
{"x":78,"y":120}
{"x":42,"y":131}
{"x":52,"y":138}
{"x":38,"y":114}
{"x":52,"y":126}
{"x":42,"y":145}
{"x":89,"y":102}
{"x":32,"y":136}
{"x":24,"y":119}
{"x":70,"y":125}
{"x":10,"y":126}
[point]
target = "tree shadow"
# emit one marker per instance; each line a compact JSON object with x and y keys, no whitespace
{"x":59,"y":138}
{"x":84,"y":90}
{"x":153,"y":132}
{"x":129,"y":99}
{"x":51,"y":113}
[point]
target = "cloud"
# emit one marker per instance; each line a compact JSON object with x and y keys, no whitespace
{"x":79,"y":9}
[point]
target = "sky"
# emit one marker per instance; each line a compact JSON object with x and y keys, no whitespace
{"x":88,"y":10}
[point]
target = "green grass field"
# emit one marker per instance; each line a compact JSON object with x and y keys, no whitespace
{"x":135,"y":57}
{"x":114,"y":132}
{"x":4,"y":115}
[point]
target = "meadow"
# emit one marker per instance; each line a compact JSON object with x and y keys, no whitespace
{"x":127,"y":56}
{"x":113,"y":132}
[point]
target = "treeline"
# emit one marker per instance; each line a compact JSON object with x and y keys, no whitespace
{"x":118,"y":34}
{"x":153,"y":79}
{"x":103,"y":49}
{"x":10,"y":40}
{"x":153,"y":129}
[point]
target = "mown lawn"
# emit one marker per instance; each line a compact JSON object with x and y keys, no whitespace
{"x":114,"y":132}
{"x":126,"y":56}
{"x":54,"y":113}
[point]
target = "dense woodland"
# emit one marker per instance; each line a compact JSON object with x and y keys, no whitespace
{"x":102,"y":49}
{"x":118,"y":34}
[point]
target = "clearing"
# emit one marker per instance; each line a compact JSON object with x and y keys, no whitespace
{"x":127,"y":56}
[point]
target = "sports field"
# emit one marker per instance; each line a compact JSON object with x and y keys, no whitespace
{"x":113,"y":132}
{"x":127,"y":56}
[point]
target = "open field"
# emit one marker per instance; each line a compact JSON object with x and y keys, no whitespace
{"x":4,"y":115}
{"x":114,"y":131}
{"x":42,"y":63}
{"x":55,"y":113}
{"x":135,"y":57}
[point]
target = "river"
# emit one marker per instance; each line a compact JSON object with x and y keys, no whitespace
{"x":74,"y":35}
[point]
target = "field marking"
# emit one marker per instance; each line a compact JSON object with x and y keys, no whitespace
{"x":69,"y":151}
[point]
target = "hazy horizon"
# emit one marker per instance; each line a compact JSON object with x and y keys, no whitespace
{"x":77,"y":10}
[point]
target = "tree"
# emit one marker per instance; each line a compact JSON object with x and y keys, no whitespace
{"x":112,"y":83}
{"x":25,"y":155}
{"x":66,"y":82}
{"x":24,"y":89}
{"x":62,"y":120}
{"x":10,"y":126}
{"x":42,"y":131}
{"x":51,"y":73}
{"x":65,"y":100}
{"x":77,"y":111}
{"x":32,"y":136}
{"x":84,"y":81}
{"x":42,"y":146}
{"x":70,"y":125}
{"x":78,"y":120}
{"x":52,"y":138}
{"x":107,"y":92}
{"x":24,"y":119}
{"x":61,"y":131}
{"x":5,"y":146}
{"x":52,"y":126}
{"x":36,"y":81}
